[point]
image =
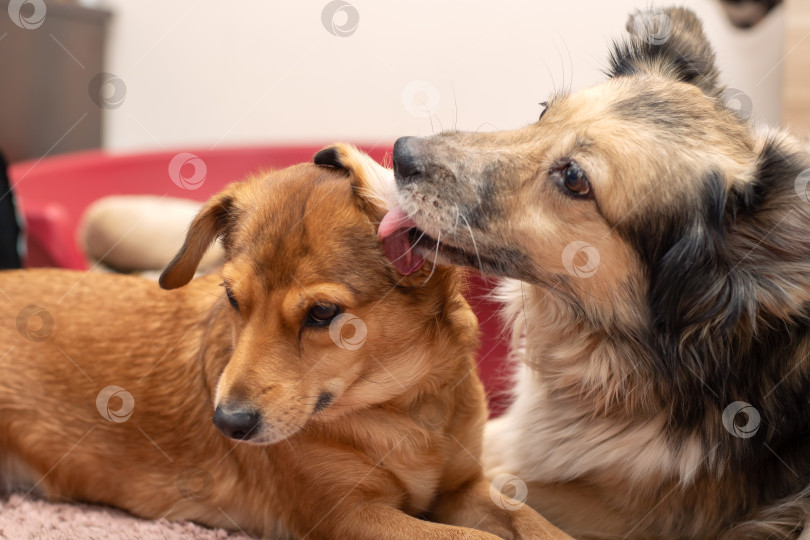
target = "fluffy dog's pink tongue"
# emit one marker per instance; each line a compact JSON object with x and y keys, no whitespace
{"x":393,"y":233}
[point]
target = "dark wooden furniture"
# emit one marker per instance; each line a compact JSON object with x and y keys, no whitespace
{"x":45,"y":73}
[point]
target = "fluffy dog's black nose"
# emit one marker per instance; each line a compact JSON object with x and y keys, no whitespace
{"x":236,"y":423}
{"x":406,"y":161}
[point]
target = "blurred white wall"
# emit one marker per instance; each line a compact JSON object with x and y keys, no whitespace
{"x":208,"y":73}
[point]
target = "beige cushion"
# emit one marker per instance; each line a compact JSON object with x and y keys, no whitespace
{"x":135,"y":233}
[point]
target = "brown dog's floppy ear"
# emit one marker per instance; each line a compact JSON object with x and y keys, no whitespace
{"x":668,"y":42}
{"x":373,"y":184}
{"x":210,"y":223}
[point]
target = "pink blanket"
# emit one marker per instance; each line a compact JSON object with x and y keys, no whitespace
{"x":31,"y":518}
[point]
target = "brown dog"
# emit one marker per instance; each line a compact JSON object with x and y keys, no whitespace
{"x":347,"y":390}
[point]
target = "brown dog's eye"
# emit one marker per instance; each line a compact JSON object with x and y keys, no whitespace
{"x":322,"y":314}
{"x":573,"y":179}
{"x":231,"y":299}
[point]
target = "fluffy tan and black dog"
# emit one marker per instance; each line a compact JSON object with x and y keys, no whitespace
{"x":657,"y":254}
{"x":345,"y":393}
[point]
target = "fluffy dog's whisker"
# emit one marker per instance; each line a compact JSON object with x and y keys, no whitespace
{"x":550,"y":76}
{"x":455,"y":108}
{"x":455,"y":223}
{"x":570,"y":66}
{"x":475,"y":246}
{"x":435,"y":260}
{"x":562,"y":63}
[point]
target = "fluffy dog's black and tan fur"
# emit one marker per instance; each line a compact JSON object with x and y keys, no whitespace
{"x":657,"y":254}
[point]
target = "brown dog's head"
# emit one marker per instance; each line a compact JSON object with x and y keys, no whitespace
{"x":323,"y":323}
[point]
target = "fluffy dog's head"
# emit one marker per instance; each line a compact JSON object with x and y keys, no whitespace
{"x":645,"y":206}
{"x":316,"y":308}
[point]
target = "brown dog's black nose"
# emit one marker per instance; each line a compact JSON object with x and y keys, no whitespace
{"x":406,"y":161}
{"x":239,"y":424}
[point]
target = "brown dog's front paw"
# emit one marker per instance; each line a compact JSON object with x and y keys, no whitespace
{"x":529,"y":525}
{"x":486,"y":507}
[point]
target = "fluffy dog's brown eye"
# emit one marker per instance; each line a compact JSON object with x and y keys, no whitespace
{"x":322,"y":314}
{"x":573,"y":179}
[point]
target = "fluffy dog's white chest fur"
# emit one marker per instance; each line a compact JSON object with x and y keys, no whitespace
{"x":540,"y":439}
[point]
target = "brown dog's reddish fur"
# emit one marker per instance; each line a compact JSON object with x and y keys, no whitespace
{"x":401,"y":437}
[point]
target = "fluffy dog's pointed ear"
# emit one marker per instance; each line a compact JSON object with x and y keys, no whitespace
{"x":213,"y":221}
{"x":373,"y":185}
{"x":668,"y":42}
